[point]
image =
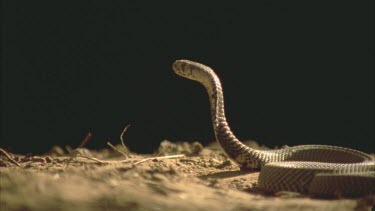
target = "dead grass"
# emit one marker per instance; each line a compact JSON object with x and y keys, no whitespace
{"x":182,"y":176}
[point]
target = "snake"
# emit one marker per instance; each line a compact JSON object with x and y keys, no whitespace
{"x":316,"y":170}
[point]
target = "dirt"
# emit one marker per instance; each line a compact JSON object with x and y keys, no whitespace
{"x":180,"y":176}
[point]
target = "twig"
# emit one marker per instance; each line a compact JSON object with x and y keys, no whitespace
{"x":122,"y":136}
{"x":126,"y":161}
{"x":94,"y":159}
{"x":114,"y":148}
{"x":158,"y":158}
{"x":122,"y":141}
{"x":85,"y":140}
{"x":9,"y":157}
{"x":77,"y":151}
{"x":75,"y":154}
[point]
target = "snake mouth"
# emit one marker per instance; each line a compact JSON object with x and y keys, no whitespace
{"x":176,"y":66}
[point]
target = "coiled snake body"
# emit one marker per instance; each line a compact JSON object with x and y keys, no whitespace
{"x":327,"y":171}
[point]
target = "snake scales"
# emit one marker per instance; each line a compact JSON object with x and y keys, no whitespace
{"x":321,"y":170}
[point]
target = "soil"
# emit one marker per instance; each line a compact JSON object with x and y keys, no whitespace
{"x":180,"y":176}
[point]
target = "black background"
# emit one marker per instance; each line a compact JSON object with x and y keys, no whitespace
{"x":294,"y":72}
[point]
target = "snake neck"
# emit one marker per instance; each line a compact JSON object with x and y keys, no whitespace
{"x":245,"y":156}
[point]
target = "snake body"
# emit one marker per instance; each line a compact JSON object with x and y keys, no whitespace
{"x":321,"y":170}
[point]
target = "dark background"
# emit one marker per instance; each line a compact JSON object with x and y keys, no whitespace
{"x":294,"y":72}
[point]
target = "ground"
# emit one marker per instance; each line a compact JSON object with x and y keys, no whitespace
{"x":179,"y":176}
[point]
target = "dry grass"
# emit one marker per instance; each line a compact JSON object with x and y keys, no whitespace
{"x":182,"y":176}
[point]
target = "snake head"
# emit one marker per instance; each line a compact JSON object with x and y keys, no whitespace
{"x":195,"y":71}
{"x":186,"y":68}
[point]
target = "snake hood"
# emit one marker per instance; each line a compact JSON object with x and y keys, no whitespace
{"x":196,"y":71}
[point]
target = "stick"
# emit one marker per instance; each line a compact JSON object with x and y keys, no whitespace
{"x":122,"y":140}
{"x":158,"y":158}
{"x":122,"y":136}
{"x":114,"y":148}
{"x":85,"y":140}
{"x":9,"y":157}
{"x":94,"y":159}
{"x":129,"y":160}
{"x":122,"y":143}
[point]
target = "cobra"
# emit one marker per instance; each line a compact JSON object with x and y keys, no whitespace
{"x":320,"y":170}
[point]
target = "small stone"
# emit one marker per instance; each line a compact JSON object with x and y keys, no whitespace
{"x":159,"y":177}
{"x":196,"y":148}
{"x":48,"y":159}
